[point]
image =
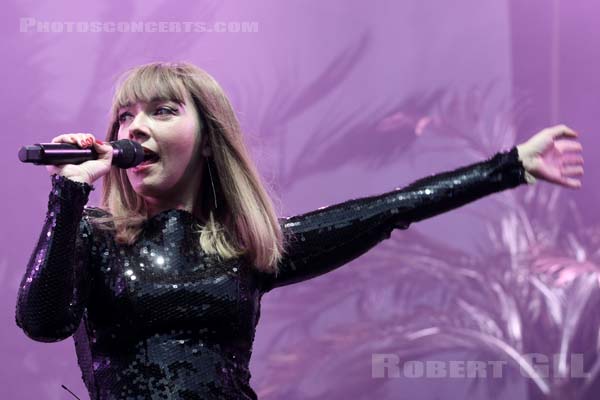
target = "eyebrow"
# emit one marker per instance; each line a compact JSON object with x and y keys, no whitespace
{"x":152,"y":101}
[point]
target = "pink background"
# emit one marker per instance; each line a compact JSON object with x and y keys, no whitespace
{"x":337,"y":101}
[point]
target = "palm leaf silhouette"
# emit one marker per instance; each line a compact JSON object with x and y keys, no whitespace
{"x":531,"y":287}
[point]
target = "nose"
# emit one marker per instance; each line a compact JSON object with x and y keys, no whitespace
{"x":138,"y":135}
{"x":138,"y":130}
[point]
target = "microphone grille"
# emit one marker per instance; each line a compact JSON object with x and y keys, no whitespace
{"x":129,"y":153}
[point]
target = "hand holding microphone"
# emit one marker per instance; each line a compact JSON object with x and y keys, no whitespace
{"x":88,"y":171}
{"x":82,"y":158}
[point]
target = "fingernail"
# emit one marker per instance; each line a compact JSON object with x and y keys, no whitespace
{"x":99,"y":141}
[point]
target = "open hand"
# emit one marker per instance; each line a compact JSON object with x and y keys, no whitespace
{"x":554,"y":155}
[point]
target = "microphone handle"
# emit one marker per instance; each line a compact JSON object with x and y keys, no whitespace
{"x":126,"y":154}
{"x":56,"y":154}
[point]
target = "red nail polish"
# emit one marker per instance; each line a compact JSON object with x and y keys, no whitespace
{"x":99,"y":141}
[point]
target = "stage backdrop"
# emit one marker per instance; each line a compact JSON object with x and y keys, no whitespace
{"x":338,"y":100}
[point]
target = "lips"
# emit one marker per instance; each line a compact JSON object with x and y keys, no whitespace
{"x":150,"y":157}
{"x":148,"y":161}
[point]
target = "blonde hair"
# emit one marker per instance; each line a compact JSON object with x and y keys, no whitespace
{"x":244,"y":222}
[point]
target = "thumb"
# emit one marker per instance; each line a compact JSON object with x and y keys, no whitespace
{"x":102,"y":148}
{"x":563,"y":131}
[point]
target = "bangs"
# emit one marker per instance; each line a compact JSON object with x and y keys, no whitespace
{"x":152,"y":83}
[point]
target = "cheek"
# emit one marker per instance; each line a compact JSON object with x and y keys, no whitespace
{"x":184,"y":148}
{"x":183,"y":156}
{"x":178,"y":156}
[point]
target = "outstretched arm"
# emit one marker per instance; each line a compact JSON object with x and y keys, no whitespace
{"x":54,"y":289}
{"x":322,"y":240}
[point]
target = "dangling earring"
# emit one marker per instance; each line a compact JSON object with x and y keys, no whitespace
{"x":212,"y":182}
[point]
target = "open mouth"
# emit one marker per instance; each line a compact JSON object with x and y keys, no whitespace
{"x":150,"y":157}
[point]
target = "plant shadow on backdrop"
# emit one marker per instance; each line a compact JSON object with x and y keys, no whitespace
{"x":529,"y":287}
{"x":532,"y":287}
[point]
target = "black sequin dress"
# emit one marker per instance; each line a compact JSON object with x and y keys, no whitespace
{"x":162,"y":320}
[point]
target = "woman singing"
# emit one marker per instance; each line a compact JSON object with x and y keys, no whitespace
{"x":161,"y":285}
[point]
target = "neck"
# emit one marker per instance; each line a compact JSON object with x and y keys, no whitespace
{"x":183,"y":197}
{"x":156,"y":205}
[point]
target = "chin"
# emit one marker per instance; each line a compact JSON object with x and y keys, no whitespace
{"x":152,"y":189}
{"x":148,"y":190}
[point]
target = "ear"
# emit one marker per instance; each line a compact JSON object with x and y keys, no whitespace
{"x":206,"y":151}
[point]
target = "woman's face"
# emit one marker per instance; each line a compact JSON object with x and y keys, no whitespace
{"x":172,"y":131}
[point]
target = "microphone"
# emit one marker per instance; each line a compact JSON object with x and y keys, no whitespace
{"x":126,"y":154}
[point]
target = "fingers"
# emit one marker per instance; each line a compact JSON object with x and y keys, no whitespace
{"x":82,"y":140}
{"x":102,"y":147}
{"x":565,"y":146}
{"x":571,"y":159}
{"x":562,"y":131}
{"x":571,"y":171}
{"x":572,"y":183}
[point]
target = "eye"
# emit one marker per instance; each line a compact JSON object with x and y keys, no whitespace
{"x":123,"y":116}
{"x":160,"y":111}
{"x":168,"y":110}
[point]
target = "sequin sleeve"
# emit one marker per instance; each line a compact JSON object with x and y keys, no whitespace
{"x":53,"y":290}
{"x":327,"y":238}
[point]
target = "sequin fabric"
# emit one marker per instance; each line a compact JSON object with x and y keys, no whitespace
{"x":163,"y":320}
